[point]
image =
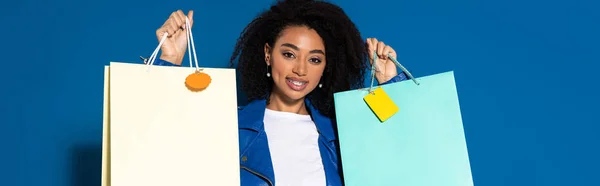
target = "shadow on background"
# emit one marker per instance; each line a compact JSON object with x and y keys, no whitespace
{"x":86,"y":165}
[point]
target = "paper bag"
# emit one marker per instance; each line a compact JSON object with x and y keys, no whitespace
{"x":161,"y":128}
{"x":421,"y":144}
{"x":157,"y":132}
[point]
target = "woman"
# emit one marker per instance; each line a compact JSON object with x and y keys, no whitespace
{"x":292,"y":58}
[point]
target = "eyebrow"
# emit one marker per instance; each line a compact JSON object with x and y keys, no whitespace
{"x":296,"y":48}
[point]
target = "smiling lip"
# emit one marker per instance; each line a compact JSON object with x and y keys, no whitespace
{"x":296,"y":84}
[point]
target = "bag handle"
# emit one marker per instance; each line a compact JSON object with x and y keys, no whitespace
{"x":373,"y":71}
{"x":190,"y":39}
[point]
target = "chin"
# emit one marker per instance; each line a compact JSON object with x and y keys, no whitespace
{"x":294,"y":96}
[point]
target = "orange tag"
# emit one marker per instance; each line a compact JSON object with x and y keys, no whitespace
{"x":197,"y":81}
{"x":381,"y":104}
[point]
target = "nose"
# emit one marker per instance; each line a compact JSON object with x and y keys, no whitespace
{"x":300,"y":68}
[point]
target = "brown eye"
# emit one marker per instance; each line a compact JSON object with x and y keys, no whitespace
{"x":315,"y":60}
{"x":288,"y":55}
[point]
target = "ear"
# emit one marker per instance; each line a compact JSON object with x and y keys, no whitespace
{"x":267,"y":54}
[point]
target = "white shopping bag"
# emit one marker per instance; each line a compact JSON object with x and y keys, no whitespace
{"x":158,"y":132}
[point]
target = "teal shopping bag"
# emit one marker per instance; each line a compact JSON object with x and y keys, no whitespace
{"x":422,"y":144}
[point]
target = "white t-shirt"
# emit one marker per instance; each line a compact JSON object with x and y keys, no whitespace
{"x":294,"y":146}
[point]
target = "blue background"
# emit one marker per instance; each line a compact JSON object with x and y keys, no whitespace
{"x":525,"y":72}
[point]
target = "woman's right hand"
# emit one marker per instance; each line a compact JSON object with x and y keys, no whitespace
{"x":173,"y":49}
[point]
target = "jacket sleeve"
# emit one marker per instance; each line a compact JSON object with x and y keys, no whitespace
{"x":161,"y":62}
{"x":400,"y":77}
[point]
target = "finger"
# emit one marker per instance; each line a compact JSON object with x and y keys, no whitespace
{"x":386,"y":51}
{"x":174,"y":24}
{"x":173,"y":28}
{"x":183,"y":17}
{"x":178,"y":18}
{"x":393,"y":53}
{"x":380,"y":47}
{"x":370,"y":48}
{"x":191,"y":18}
{"x":160,"y":31}
{"x":389,"y":51}
{"x":374,"y":45}
{"x":166,"y":27}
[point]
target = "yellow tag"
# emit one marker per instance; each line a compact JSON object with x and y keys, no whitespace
{"x":381,"y":104}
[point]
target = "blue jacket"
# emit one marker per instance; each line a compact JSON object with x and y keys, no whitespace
{"x":255,"y":158}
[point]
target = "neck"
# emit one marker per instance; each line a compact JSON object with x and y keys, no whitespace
{"x":278,"y":102}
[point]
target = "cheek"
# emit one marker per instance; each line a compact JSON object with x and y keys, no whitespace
{"x":317,"y":73}
{"x":280,"y":68}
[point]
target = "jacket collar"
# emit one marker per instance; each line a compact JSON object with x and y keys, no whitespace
{"x":254,"y":113}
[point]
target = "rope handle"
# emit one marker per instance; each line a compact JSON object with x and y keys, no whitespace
{"x":373,"y":70}
{"x":190,"y":39}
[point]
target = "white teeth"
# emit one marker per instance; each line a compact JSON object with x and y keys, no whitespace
{"x":298,"y":83}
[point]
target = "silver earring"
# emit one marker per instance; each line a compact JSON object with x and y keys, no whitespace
{"x":268,"y":73}
{"x":267,"y":60}
{"x":320,"y":85}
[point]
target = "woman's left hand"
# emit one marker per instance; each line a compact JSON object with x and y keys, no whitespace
{"x":385,"y":69}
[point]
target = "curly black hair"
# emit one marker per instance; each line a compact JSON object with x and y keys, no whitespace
{"x":346,"y":51}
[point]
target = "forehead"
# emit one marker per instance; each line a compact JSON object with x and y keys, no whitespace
{"x":301,"y":36}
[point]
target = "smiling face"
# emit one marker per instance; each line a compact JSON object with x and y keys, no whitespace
{"x":297,"y":60}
